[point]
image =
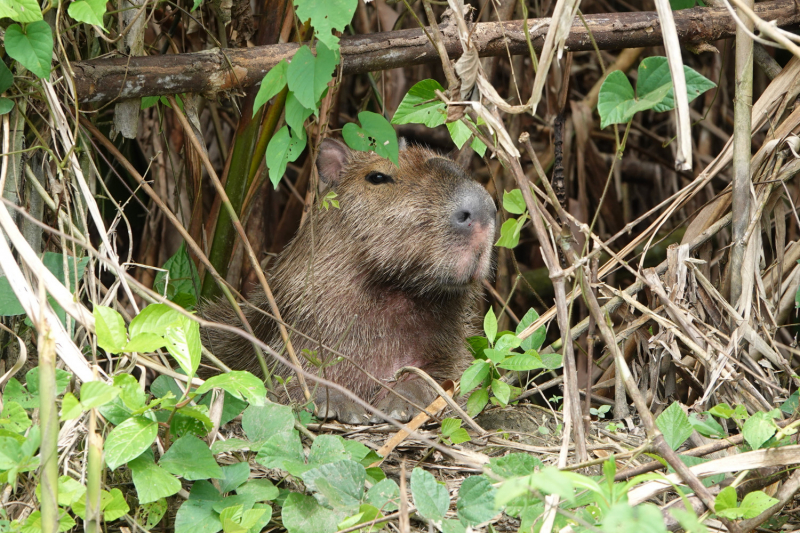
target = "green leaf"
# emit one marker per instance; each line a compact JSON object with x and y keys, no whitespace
{"x":6,"y":78}
{"x":151,"y":481}
{"x":476,"y":501}
{"x":430,"y":497}
{"x":501,"y":391}
{"x":184,"y":280}
{"x":190,"y":458}
{"x":97,"y":393}
{"x":260,"y":489}
{"x":420,"y":105}
{"x":675,"y":425}
{"x":10,"y":453}
{"x":374,"y":135}
{"x":459,"y":132}
{"x":515,"y":465}
{"x":758,"y":429}
{"x":132,"y":395}
{"x":536,"y":340}
{"x":507,"y":342}
{"x":20,"y":10}
{"x":449,"y":425}
{"x":384,"y":495}
{"x":282,"y":148}
{"x":308,"y":75}
{"x":340,"y":484}
{"x":721,"y":410}
{"x":88,"y":11}
{"x":233,"y":476}
{"x":460,"y":435}
{"x":523,"y":362}
{"x":151,"y":513}
{"x":513,"y":202}
{"x":33,"y":524}
{"x":477,"y":401}
{"x":510,"y":232}
{"x":756,"y":502}
{"x":708,"y":427}
{"x":145,"y":342}
{"x":644,"y":518}
{"x":327,"y":449}
{"x":726,"y":499}
{"x":14,"y":418}
{"x":280,"y":448}
{"x":6,"y":105}
{"x":129,"y":440}
{"x":616,"y":102}
{"x":295,"y":115}
{"x":183,"y":343}
{"x":33,"y":48}
{"x":326,"y":16}
{"x":273,"y":83}
{"x":490,"y":325}
{"x":197,"y":516}
{"x":155,"y":319}
{"x":654,"y":74}
{"x":240,"y":384}
{"x":681,"y":4}
{"x":110,"y":329}
{"x":10,"y":306}
{"x":474,"y":375}
{"x":302,"y":514}
{"x":265,"y":421}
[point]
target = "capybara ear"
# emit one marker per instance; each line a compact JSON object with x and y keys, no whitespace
{"x":332,"y":158}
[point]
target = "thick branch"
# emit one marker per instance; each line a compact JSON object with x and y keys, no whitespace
{"x":212,"y":71}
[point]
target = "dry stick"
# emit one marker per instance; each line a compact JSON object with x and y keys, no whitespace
{"x":571,"y":395}
{"x":700,"y":451}
{"x":193,"y":246}
{"x":452,"y":80}
{"x":240,"y":230}
{"x":683,"y":123}
{"x":742,"y":143}
{"x":212,"y":71}
{"x":437,"y":405}
{"x":48,"y":419}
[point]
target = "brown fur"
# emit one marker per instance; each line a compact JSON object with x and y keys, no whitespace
{"x":387,"y":255}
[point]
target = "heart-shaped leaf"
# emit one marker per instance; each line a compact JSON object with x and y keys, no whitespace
{"x":33,"y":48}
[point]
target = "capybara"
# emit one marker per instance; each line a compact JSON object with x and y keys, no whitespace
{"x":390,"y":279}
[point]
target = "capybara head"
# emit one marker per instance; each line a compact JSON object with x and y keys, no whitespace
{"x":422,"y":227}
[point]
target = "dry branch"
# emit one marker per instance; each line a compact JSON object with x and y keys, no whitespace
{"x":218,"y":70}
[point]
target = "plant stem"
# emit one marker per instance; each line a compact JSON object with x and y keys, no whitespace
{"x":740,"y":203}
{"x":48,"y":416}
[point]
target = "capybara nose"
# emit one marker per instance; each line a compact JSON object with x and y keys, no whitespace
{"x":474,"y":206}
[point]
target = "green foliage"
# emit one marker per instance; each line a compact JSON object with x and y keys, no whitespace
{"x":431,"y":498}
{"x":420,"y":105}
{"x":752,"y":505}
{"x":179,"y":282}
{"x":31,"y":47}
{"x":617,"y":103}
{"x":326,"y":17}
{"x":452,"y":432}
{"x":88,"y":11}
{"x":273,"y":83}
{"x":374,"y":135}
{"x":490,"y":356}
{"x":759,"y":428}
{"x":21,"y":10}
{"x":674,"y":425}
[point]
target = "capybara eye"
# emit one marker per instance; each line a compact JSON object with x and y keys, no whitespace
{"x":376,"y":178}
